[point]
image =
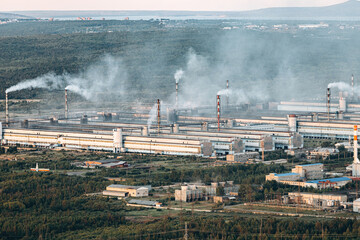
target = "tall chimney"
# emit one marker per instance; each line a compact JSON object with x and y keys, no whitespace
{"x":352,"y":86}
{"x":6,"y":108}
{"x":356,"y":159}
{"x":328,"y":103}
{"x":227,"y":97}
{"x":218,"y":111}
{"x":176,"y":96}
{"x":158,"y":115}
{"x":66,"y":104}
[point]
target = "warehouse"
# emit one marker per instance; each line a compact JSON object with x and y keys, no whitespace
{"x":189,"y":193}
{"x":282,"y":177}
{"x":317,"y":200}
{"x":118,"y":190}
{"x":310,"y":171}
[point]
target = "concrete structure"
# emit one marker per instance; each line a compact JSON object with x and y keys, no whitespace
{"x":317,"y":200}
{"x":106,"y":163}
{"x":323,"y":152}
{"x":328,"y":183}
{"x":118,"y":190}
{"x":189,"y":193}
{"x":309,"y":171}
{"x":138,"y":202}
{"x":282,"y":177}
{"x":242,"y":157}
{"x":356,"y":205}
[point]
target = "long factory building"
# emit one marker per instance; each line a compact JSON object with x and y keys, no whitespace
{"x":190,"y":135}
{"x":173,"y":140}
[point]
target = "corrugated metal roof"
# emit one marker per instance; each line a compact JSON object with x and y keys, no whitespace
{"x":127,"y":186}
{"x":143,"y":202}
{"x":285,"y":174}
{"x":340,"y":179}
{"x":310,"y":164}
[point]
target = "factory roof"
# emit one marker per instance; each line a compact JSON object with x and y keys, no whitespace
{"x":340,"y":179}
{"x":143,"y":202}
{"x":129,"y":187}
{"x":112,"y":164}
{"x":311,"y":164}
{"x":285,"y":174}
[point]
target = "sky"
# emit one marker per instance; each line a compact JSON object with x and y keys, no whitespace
{"x":192,"y":5}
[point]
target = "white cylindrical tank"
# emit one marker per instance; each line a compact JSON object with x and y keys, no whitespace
{"x":342,"y":104}
{"x":176,"y":128}
{"x":145,"y":131}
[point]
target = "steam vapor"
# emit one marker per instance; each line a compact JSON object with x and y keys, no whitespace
{"x":107,"y":75}
{"x":152,"y":116}
{"x":178,"y":75}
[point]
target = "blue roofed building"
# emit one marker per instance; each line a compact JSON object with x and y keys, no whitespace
{"x":327,"y":183}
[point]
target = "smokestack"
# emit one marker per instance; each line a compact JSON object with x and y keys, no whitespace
{"x":352,"y":85}
{"x":356,"y":160}
{"x":6,"y":108}
{"x":328,"y":103}
{"x":218,"y":111}
{"x":176,"y":96}
{"x":227,"y":97}
{"x":158,"y":115}
{"x":66,"y":104}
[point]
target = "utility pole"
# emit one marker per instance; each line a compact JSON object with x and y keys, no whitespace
{"x":262,"y":149}
{"x":186,"y":232}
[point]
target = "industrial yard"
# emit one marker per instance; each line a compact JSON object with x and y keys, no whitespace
{"x":179,"y":129}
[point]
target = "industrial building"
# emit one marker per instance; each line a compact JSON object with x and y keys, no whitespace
{"x":189,"y":193}
{"x":319,"y":184}
{"x":356,"y":205}
{"x":106,"y":163}
{"x":316,"y":199}
{"x":200,"y":131}
{"x":117,"y":190}
{"x":309,"y":171}
{"x":282,"y":177}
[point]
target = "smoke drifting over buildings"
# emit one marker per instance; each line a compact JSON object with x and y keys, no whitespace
{"x":256,"y":71}
{"x":107,"y":75}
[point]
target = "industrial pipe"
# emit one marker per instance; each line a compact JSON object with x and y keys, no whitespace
{"x":158,"y":115}
{"x":6,"y":108}
{"x":66,"y":104}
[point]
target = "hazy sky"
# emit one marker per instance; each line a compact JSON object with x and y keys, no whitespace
{"x":195,"y":5}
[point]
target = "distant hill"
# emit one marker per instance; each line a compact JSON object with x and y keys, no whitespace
{"x":13,"y":16}
{"x":344,"y":11}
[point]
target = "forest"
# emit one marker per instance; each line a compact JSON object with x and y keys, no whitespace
{"x":56,"y":205}
{"x":151,"y":54}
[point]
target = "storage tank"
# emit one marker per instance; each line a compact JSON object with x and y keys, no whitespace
{"x":342,"y":104}
{"x":117,"y":140}
{"x":145,"y":131}
{"x":176,"y":128}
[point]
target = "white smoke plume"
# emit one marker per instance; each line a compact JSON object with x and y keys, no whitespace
{"x":342,"y":86}
{"x":178,"y":75}
{"x":226,"y":92}
{"x":107,"y":76}
{"x":48,"y":81}
{"x":152,"y":116}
